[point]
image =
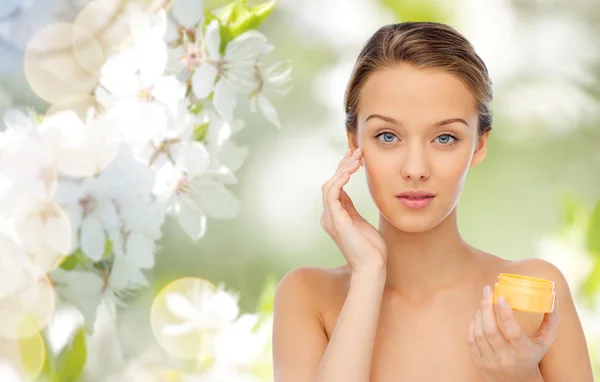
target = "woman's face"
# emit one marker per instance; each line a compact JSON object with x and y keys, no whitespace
{"x":418,"y":131}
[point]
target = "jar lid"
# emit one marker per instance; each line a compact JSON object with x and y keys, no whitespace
{"x":526,"y":293}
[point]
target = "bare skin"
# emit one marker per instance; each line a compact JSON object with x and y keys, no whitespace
{"x":406,"y":305}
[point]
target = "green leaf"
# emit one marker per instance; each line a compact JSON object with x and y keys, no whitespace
{"x":74,"y":259}
{"x":196,"y":108}
{"x":267,"y":297}
{"x":250,"y":18}
{"x":226,"y":13}
{"x":78,"y":257}
{"x":71,"y":360}
{"x":591,"y":287}
{"x":108,"y":248}
{"x":593,"y":232}
{"x":69,"y":263}
{"x":237,"y":18}
{"x":201,"y":131}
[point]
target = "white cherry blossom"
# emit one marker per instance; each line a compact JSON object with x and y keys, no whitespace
{"x":204,"y":308}
{"x":231,"y":71}
{"x":272,"y":79}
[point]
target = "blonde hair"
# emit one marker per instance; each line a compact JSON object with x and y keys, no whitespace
{"x":424,"y":45}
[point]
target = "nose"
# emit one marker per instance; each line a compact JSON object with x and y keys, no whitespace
{"x":414,"y":165}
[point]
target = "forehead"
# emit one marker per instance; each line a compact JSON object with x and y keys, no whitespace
{"x":407,"y":92}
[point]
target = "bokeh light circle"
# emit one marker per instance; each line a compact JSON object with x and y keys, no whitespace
{"x":192,"y":345}
{"x":78,"y":103}
{"x":62,"y":59}
{"x":107,"y":22}
{"x":26,"y":355}
{"x":28,"y":307}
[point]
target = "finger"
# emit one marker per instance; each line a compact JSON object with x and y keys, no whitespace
{"x":348,"y":205}
{"x":351,"y":165}
{"x":327,"y":185}
{"x":472,"y":342}
{"x":349,"y":157}
{"x":480,"y":338}
{"x":488,"y":319}
{"x":344,"y":172}
{"x":512,"y":329}
{"x":334,"y":193}
{"x":547,"y":330}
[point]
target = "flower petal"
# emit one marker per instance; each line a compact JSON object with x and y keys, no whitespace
{"x":203,"y":80}
{"x":108,"y":215}
{"x":142,"y":248}
{"x":168,"y":90}
{"x":68,"y":192}
{"x":177,"y":330}
{"x":179,"y":305}
{"x":194,"y":158}
{"x":246,"y":47}
{"x":57,"y":230}
{"x":171,"y":33}
{"x":92,"y":238}
{"x":192,"y":220}
{"x":218,"y":202}
{"x":225,"y":99}
{"x":188,"y":12}
{"x":154,"y":60}
{"x":118,"y":74}
{"x":213,"y":40}
{"x":268,"y":110}
{"x":232,"y":156}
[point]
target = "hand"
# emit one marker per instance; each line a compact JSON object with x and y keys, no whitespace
{"x":360,"y":242}
{"x":508,"y":354}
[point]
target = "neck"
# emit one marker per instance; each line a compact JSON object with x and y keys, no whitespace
{"x":420,"y":264}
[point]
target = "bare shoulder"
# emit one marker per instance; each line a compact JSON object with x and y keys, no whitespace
{"x":533,"y":267}
{"x":299,"y":334}
{"x":313,"y":285}
{"x":543,"y":269}
{"x":568,"y":358}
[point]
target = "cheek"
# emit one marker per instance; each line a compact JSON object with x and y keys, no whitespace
{"x":452,"y":168}
{"x":380,"y":174}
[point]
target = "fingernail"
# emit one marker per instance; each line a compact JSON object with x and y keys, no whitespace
{"x":503,"y":303}
{"x":356,"y":151}
{"x":487,"y":291}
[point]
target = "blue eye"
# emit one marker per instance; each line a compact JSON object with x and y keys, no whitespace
{"x":444,"y":139}
{"x":387,"y":137}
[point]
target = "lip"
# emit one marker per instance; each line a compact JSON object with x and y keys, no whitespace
{"x":407,"y":198}
{"x":412,"y":192}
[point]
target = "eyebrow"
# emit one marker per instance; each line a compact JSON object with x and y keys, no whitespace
{"x":440,"y":123}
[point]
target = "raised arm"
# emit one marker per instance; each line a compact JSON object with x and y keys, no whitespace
{"x":301,"y":350}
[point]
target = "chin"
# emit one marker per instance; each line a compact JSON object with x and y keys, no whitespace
{"x":416,"y":221}
{"x":412,"y":224}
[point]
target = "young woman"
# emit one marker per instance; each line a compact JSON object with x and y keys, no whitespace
{"x":414,"y":301}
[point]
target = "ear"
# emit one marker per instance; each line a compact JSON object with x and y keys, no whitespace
{"x":481,"y":149}
{"x":352,"y":140}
